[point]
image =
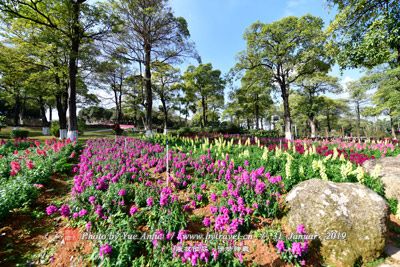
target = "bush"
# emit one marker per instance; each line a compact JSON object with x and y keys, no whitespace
{"x":19,"y":134}
{"x":55,"y":129}
{"x":3,"y":123}
{"x":265,"y":133}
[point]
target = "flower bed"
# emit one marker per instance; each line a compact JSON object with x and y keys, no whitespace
{"x":26,"y":165}
{"x":121,"y":190}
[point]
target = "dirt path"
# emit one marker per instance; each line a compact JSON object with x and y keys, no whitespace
{"x":28,"y":237}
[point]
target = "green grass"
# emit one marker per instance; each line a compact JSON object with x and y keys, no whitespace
{"x":36,"y":133}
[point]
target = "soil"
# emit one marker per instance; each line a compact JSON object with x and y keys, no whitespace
{"x":28,"y":237}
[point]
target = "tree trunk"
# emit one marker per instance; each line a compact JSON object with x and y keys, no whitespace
{"x":248,"y":123}
{"x":17,"y":110}
{"x":262,"y":126}
{"x":328,"y":122}
{"x":358,"y":120}
{"x":204,"y":106}
{"x":149,"y":92}
{"x":311,"y":121}
{"x":286,"y":111}
{"x":165,"y":111}
{"x":45,"y":122}
{"x":257,"y":113}
{"x":392,"y":128}
{"x":73,"y":71}
{"x":50,"y":114}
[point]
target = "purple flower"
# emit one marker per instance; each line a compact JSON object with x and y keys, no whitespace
{"x":64,"y":210}
{"x":213,"y":197}
{"x":260,"y":187}
{"x":301,"y":229}
{"x":169,"y":236}
{"x":88,"y":226}
{"x":105,"y":249}
{"x":280,"y":246}
{"x":122,"y":192}
{"x":206,"y":221}
{"x":199,"y":197}
{"x":75,"y":215}
{"x":133,"y":210}
{"x":203,"y":186}
{"x":296,"y":248}
{"x":149,"y":201}
{"x":92,"y":199}
{"x":51,"y":210}
{"x":82,"y":212}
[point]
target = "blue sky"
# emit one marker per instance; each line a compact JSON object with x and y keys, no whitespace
{"x":217,"y":26}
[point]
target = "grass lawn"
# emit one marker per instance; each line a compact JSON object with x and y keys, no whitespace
{"x":36,"y":133}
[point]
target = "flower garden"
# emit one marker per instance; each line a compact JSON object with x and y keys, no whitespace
{"x":218,"y":202}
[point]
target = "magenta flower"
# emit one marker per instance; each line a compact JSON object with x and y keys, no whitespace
{"x":122,"y":192}
{"x":206,"y":221}
{"x":149,"y":201}
{"x":51,"y":210}
{"x":301,"y":229}
{"x":105,"y":249}
{"x":133,"y":210}
{"x":280,"y":246}
{"x":64,"y":210}
{"x":82,"y":212}
{"x":88,"y":226}
{"x":213,"y":197}
{"x":296,"y":248}
{"x":92,"y":199}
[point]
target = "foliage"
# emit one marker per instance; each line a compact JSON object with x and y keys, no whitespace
{"x":288,"y":49}
{"x":19,"y":134}
{"x":26,"y":166}
{"x":365,"y":33}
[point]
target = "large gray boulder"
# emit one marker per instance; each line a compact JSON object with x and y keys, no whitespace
{"x":350,"y":210}
{"x":388,"y":169}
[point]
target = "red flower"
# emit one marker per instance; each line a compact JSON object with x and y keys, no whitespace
{"x":15,"y":168}
{"x":29,"y":164}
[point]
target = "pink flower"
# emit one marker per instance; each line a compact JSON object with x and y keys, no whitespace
{"x":88,"y":226}
{"x":301,"y":229}
{"x":280,"y":246}
{"x":122,"y":192}
{"x":64,"y":210}
{"x":149,"y":201}
{"x":206,"y":221}
{"x":29,"y":164}
{"x":51,"y":210}
{"x":133,"y":210}
{"x":82,"y":212}
{"x":105,"y":249}
{"x":213,"y":197}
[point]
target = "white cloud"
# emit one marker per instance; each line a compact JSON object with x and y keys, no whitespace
{"x":292,"y":6}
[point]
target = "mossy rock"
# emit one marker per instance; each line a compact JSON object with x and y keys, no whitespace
{"x":349,"y":219}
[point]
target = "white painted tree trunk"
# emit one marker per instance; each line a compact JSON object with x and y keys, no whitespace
{"x":73,"y":135}
{"x":45,"y":130}
{"x":63,"y":134}
{"x":149,"y":133}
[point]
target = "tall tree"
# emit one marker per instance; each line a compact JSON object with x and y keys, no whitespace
{"x":151,"y":32}
{"x":165,"y":81}
{"x":366,"y":32}
{"x":112,"y":76}
{"x":206,"y":85}
{"x":310,"y":88}
{"x":288,"y":49}
{"x":73,"y":19}
{"x":358,"y":95}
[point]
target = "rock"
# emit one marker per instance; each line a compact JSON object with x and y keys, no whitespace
{"x":393,"y":252}
{"x":350,"y":209}
{"x":388,"y":169}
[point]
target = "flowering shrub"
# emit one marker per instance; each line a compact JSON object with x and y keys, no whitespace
{"x":294,"y":250}
{"x":26,"y":166}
